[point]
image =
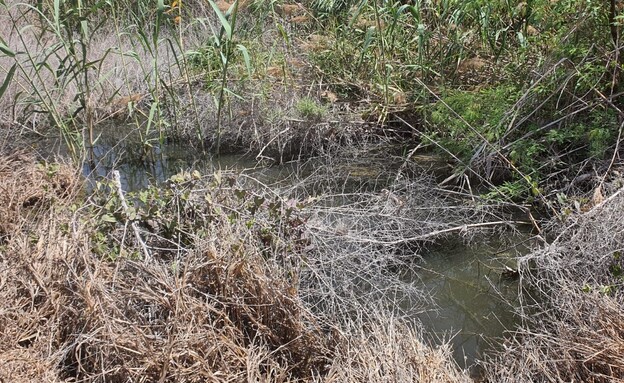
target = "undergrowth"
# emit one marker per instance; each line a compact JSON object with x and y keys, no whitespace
{"x":206,"y":278}
{"x":522,"y":99}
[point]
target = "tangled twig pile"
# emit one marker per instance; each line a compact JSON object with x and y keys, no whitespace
{"x":573,"y":322}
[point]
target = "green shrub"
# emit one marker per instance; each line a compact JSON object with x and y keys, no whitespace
{"x":464,"y":120}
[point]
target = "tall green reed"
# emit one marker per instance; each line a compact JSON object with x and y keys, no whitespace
{"x":65,"y":71}
{"x":54,"y":59}
{"x":224,"y":43}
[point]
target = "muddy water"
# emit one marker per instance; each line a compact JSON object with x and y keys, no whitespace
{"x":472,"y":288}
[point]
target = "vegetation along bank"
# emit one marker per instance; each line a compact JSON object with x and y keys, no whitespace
{"x":409,"y":124}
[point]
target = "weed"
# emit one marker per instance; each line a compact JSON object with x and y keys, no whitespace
{"x":310,"y":109}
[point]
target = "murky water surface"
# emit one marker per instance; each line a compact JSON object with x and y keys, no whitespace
{"x":474,"y":287}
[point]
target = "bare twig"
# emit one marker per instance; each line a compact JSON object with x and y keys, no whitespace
{"x":133,"y":224}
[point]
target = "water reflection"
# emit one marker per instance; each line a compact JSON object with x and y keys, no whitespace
{"x":147,"y":162}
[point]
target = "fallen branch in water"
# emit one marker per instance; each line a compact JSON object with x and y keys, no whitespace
{"x":432,"y":234}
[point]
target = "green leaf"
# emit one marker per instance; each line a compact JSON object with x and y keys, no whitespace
{"x":5,"y":49}
{"x":283,"y":33}
{"x":7,"y":80}
{"x":233,"y":94}
{"x":246,"y":57}
{"x":150,"y":119}
{"x":57,"y":15}
{"x":240,"y":193}
{"x":226,"y":25}
{"x":368,"y":39}
{"x":132,"y":214}
{"x":109,"y":218}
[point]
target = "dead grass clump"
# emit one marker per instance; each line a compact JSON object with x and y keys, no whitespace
{"x":219,"y":313}
{"x":28,"y":189}
{"x":386,"y":350}
{"x":572,"y":327}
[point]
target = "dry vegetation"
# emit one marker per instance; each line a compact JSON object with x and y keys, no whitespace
{"x":222,"y":278}
{"x":224,"y":308}
{"x":299,"y":294}
{"x":574,"y":311}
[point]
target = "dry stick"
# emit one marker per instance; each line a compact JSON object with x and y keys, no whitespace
{"x":435,"y":233}
{"x":135,"y":228}
{"x":270,"y":142}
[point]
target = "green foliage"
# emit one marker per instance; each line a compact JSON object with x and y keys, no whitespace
{"x":539,"y":97}
{"x":510,"y":190}
{"x":185,"y":209}
{"x":601,"y":131}
{"x":615,"y":274}
{"x":310,"y":109}
{"x":463,"y":120}
{"x":331,"y":7}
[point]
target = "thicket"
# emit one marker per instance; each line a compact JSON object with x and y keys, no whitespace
{"x":573,"y":310}
{"x":522,"y":98}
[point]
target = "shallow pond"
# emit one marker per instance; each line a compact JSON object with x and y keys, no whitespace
{"x":470,"y":283}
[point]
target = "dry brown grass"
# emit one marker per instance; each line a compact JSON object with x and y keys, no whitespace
{"x":573,"y":327}
{"x":219,"y":311}
{"x":390,"y":351}
{"x":28,"y":190}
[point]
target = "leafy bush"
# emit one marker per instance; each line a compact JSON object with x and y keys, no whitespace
{"x":464,"y":120}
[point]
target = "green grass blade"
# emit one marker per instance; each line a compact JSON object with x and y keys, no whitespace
{"x":368,"y":39}
{"x":57,"y":15}
{"x":7,"y":80}
{"x":226,"y":24}
{"x":226,"y":90}
{"x":150,"y":119}
{"x":283,"y":33}
{"x":245,"y":53}
{"x":5,"y":49}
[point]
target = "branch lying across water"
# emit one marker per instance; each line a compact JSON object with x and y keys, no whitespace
{"x":426,"y":236}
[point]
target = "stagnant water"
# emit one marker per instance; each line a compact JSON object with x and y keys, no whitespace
{"x":474,"y":287}
{"x":471,"y":284}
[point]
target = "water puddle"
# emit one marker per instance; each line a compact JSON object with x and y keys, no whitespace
{"x":475,"y":286}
